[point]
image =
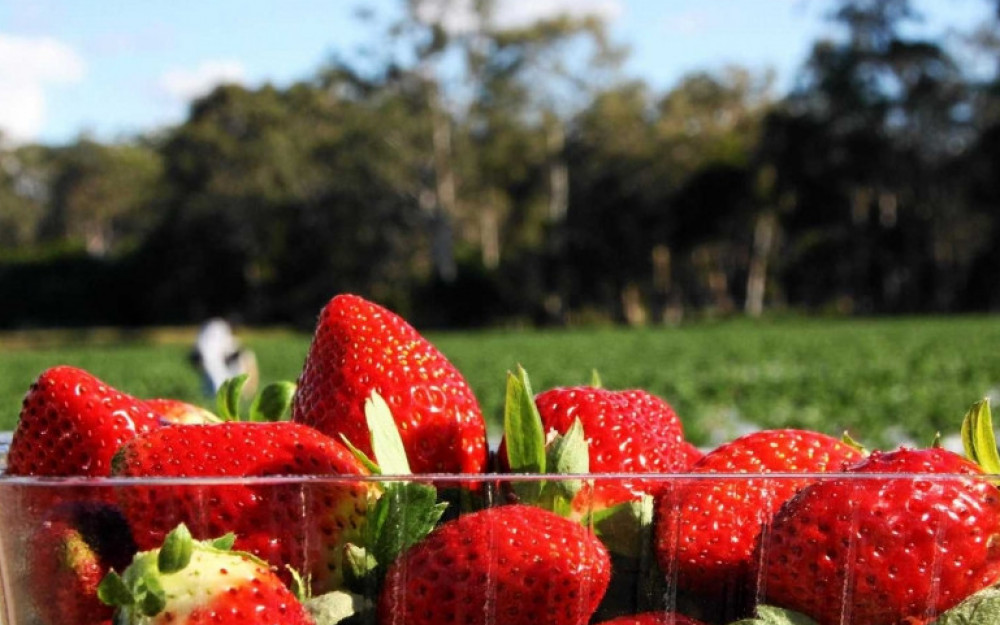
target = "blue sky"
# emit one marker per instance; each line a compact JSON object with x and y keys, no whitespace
{"x":119,"y":67}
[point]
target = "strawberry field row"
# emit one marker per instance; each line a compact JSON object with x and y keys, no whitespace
{"x":884,"y":380}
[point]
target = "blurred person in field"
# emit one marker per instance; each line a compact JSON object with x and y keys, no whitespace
{"x":219,"y":356}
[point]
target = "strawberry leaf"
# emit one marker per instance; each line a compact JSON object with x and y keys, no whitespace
{"x":982,"y":608}
{"x":938,"y":441}
{"x":298,"y":585}
{"x":848,"y":440}
{"x":224,"y":542}
{"x":227,"y":400}
{"x":979,"y":439}
{"x":595,"y":379}
{"x":336,"y":607}
{"x":404,"y":514}
{"x":175,"y":554}
{"x":770,"y":615}
{"x":359,"y":566}
{"x":362,"y":456}
{"x":114,"y":591}
{"x":524,"y":434}
{"x":626,"y":528}
{"x":150,"y":597}
{"x":273,"y":402}
{"x":568,"y":455}
{"x":137,"y":588}
{"x":387,"y":445}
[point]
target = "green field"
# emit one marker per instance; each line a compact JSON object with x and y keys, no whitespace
{"x":880,"y":379}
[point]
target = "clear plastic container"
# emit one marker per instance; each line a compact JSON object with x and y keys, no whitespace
{"x":641,"y":579}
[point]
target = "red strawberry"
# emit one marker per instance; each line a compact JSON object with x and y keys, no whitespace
{"x":302,"y":523}
{"x":691,"y":455}
{"x":175,"y":411}
{"x":882,"y":550}
{"x":628,"y":431}
{"x":72,"y":423}
{"x":653,"y":618}
{"x":189,"y":582}
{"x":706,"y":530}
{"x":515,"y":564}
{"x":360,"y":347}
{"x":72,"y":549}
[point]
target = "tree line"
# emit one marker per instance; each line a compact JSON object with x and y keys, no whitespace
{"x":513,"y":174}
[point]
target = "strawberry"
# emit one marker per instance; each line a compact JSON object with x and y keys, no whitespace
{"x":513,"y":564}
{"x":303,"y":523}
{"x":71,"y":550}
{"x":72,"y":423}
{"x":653,"y":618}
{"x":706,"y":530}
{"x":690,"y":455}
{"x":360,"y":347}
{"x":629,"y":431}
{"x":881,"y":551}
{"x":189,"y":582}
{"x":174,"y":411}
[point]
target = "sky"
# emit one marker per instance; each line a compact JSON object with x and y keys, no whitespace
{"x":117,"y":68}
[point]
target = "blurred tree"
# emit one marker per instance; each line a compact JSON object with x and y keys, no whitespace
{"x":862,"y":146}
{"x":529,"y":81}
{"x":100,"y":195}
{"x":497,"y":99}
{"x":471,"y":168}
{"x":615,"y":189}
{"x":710,"y":126}
{"x":24,"y":192}
{"x":306,"y":192}
{"x":665,"y":193}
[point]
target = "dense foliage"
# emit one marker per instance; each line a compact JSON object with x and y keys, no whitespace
{"x":539,"y":185}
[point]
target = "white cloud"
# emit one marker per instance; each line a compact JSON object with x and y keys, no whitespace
{"x":691,"y":22}
{"x":458,"y":16}
{"x":186,"y":84}
{"x":28,"y":67}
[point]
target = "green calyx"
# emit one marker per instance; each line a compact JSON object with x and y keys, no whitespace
{"x":848,"y":440}
{"x":595,"y":379}
{"x":978,"y":438}
{"x":140,"y":587}
{"x":770,"y":615}
{"x":338,"y":606}
{"x":981,"y":608}
{"x":625,"y":528}
{"x":406,"y":511}
{"x":531,"y":450}
{"x":386,"y":443}
{"x":272,"y":403}
{"x":175,"y":554}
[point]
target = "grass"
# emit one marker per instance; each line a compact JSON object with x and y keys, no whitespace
{"x":883,"y":380}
